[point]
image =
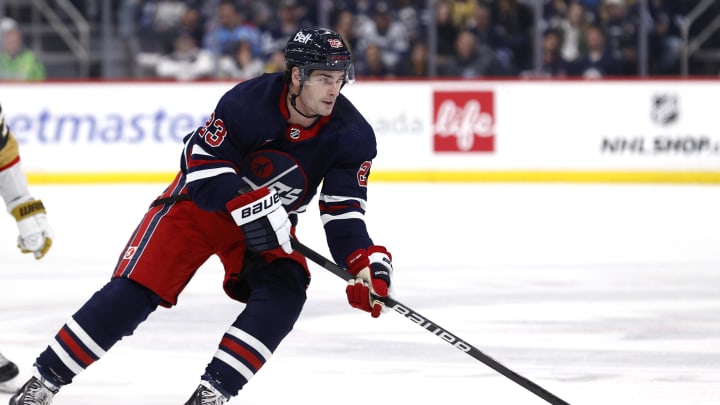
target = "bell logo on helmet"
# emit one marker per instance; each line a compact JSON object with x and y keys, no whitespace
{"x":335,"y":43}
{"x":300,"y":37}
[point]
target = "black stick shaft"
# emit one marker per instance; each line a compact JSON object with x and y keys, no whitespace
{"x":435,"y":329}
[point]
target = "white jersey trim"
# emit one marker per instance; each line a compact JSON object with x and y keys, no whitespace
{"x":325,"y":218}
{"x":337,"y":198}
{"x":207,"y":173}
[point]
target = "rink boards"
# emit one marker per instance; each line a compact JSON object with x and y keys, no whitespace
{"x":643,"y":131}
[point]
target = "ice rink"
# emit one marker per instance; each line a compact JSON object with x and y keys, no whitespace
{"x":601,"y":294}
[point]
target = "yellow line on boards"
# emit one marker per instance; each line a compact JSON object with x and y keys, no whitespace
{"x":439,"y":176}
{"x":544,"y":176}
{"x":98,"y":178}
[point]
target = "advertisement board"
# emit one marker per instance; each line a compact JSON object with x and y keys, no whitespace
{"x":511,"y":130}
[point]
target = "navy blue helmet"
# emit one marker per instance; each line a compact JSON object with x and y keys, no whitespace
{"x":318,"y":49}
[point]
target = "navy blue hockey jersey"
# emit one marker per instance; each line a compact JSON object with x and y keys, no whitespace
{"x":247,"y":141}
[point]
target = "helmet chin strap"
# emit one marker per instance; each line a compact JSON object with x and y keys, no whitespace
{"x":293,"y":98}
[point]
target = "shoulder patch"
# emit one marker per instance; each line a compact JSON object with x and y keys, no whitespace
{"x":363,"y":173}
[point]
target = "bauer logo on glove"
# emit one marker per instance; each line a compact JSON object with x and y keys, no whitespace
{"x":262,"y":219}
{"x":257,"y":209}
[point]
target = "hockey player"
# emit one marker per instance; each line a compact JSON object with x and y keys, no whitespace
{"x":35,"y":234}
{"x":244,"y":177}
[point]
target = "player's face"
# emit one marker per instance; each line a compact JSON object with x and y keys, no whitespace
{"x":321,"y":90}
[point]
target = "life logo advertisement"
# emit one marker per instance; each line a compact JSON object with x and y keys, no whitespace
{"x":464,"y":121}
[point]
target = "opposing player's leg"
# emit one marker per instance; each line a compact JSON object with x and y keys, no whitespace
{"x":8,"y":372}
{"x":112,"y":313}
{"x":277,"y":296}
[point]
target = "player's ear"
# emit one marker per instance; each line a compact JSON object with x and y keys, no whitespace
{"x":295,"y":76}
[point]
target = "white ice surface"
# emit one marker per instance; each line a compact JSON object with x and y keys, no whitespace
{"x":601,"y":294}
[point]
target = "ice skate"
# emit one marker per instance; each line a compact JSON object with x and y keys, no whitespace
{"x":8,"y":372}
{"x":34,"y":392}
{"x":205,"y":394}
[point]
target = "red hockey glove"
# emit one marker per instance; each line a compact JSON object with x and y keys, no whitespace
{"x":373,"y":271}
{"x":263,"y":219}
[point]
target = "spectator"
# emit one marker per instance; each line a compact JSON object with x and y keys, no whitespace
{"x":628,"y":57}
{"x":593,"y":9}
{"x":553,"y":64}
{"x":372,"y":64}
{"x":158,"y":22}
{"x":471,"y":59}
{"x":242,"y":65}
{"x":362,"y":10}
{"x":463,"y":11}
{"x":620,"y":23}
{"x":285,"y":23}
{"x":482,"y":25}
{"x":408,"y":13}
{"x":598,"y":60}
{"x":555,"y":11}
{"x":263,"y":15}
{"x":17,"y":62}
{"x":387,"y":33}
{"x":515,"y":22}
{"x":620,"y":26}
{"x":571,"y":31}
{"x":345,"y":26}
{"x":488,"y":33}
{"x":664,"y":42}
{"x":193,"y":23}
{"x":417,"y":64}
{"x":231,"y":27}
{"x":275,"y":62}
{"x":187,"y":61}
{"x":447,"y":33}
{"x":168,"y":14}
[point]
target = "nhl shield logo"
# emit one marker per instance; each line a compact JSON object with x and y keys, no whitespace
{"x":665,"y":109}
{"x":294,"y":133}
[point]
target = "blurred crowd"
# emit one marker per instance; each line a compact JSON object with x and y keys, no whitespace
{"x":238,"y":39}
{"x":17,"y":62}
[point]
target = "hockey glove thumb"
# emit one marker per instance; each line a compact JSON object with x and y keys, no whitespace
{"x":35,"y":233}
{"x":263,"y":219}
{"x":372,"y":269}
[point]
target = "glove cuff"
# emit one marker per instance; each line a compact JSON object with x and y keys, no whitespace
{"x":362,"y":258}
{"x":27,"y":209}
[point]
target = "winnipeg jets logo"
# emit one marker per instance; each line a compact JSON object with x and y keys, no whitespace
{"x":299,"y":37}
{"x":261,"y":166}
{"x":277,"y":170}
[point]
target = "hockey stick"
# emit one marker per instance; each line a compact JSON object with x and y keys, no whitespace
{"x":435,"y":329}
